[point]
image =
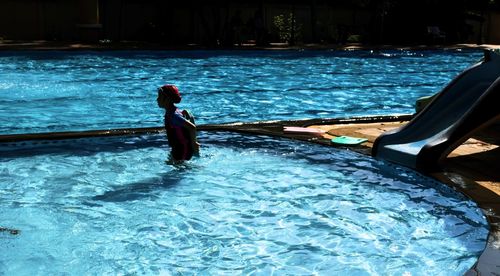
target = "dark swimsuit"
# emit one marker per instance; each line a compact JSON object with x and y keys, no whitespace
{"x":178,"y":136}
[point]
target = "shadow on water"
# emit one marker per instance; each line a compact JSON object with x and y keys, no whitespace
{"x":147,"y":188}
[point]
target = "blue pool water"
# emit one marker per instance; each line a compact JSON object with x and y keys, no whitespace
{"x":62,"y":91}
{"x":249,"y":205}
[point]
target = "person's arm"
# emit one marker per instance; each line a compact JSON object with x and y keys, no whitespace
{"x":192,"y":135}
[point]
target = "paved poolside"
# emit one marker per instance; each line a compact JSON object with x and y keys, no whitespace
{"x":474,"y":159}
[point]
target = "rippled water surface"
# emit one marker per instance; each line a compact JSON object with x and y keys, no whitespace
{"x":248,"y":205}
{"x":60,"y":91}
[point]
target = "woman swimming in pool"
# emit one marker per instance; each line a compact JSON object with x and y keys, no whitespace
{"x":180,"y":127}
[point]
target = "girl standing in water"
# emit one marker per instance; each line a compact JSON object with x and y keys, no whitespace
{"x":180,"y":127}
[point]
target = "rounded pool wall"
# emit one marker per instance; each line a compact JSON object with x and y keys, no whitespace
{"x":305,"y":208}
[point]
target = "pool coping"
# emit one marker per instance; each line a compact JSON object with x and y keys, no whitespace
{"x":488,"y":262}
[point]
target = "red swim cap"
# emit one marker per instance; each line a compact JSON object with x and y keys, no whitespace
{"x":172,"y":92}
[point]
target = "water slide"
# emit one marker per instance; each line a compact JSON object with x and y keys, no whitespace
{"x":468,"y":103}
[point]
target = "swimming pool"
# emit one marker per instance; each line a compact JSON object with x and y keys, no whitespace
{"x":248,"y":205}
{"x":69,"y":91}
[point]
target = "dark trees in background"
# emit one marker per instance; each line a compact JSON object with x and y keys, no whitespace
{"x":407,"y":21}
{"x":224,"y":23}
